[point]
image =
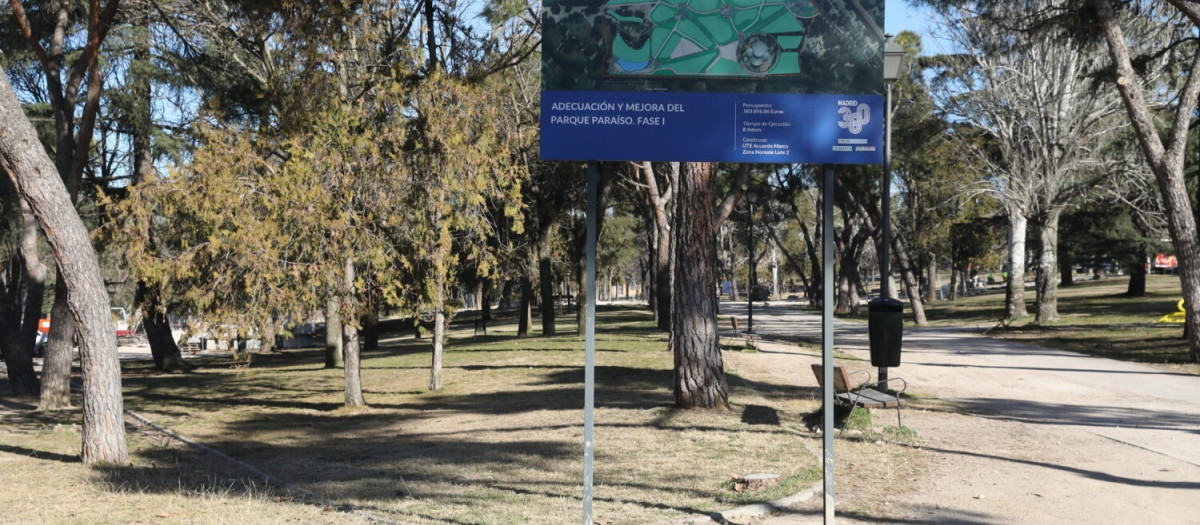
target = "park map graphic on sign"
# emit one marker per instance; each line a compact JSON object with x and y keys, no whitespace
{"x":765,"y":81}
{"x":707,"y":37}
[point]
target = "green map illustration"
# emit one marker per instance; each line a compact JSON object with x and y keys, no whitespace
{"x":722,"y":38}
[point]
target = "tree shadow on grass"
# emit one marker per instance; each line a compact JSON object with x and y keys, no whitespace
{"x":760,"y":415}
{"x":39,"y":454}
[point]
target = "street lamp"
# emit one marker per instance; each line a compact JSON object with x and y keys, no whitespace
{"x":751,"y":198}
{"x":885,"y":317}
{"x":893,"y":57}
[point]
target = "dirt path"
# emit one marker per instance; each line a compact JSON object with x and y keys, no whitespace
{"x":1021,"y":434}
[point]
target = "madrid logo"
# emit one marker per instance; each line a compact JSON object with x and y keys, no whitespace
{"x":854,"y":119}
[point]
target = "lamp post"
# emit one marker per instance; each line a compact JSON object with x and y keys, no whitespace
{"x":751,"y":198}
{"x":885,"y":326}
{"x":893,"y":56}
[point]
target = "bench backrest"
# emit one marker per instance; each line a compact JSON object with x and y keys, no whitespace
{"x":841,"y":381}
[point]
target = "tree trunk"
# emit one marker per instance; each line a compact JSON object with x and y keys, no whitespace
{"x":1137,"y":280}
{"x":525,"y":309}
{"x":485,"y":306}
{"x":334,"y":351}
{"x":1014,"y":302}
{"x":662,"y":284}
{"x":546,"y":278}
{"x":1166,"y":162}
{"x":20,"y":313}
{"x":439,"y":334}
{"x":1047,"y":275}
{"x":650,"y":283}
{"x":931,"y":277}
{"x":813,"y":285}
{"x":350,"y":360}
{"x":954,"y":284}
{"x":163,"y":347}
{"x":844,"y":301}
{"x":59,"y":353}
{"x":17,"y":358}
{"x":658,"y":202}
{"x":787,"y":256}
{"x":35,"y":281}
{"x":155,"y":323}
{"x":911,"y":286}
{"x":699,"y":372}
{"x":1066,"y":269}
{"x":370,"y":328}
{"x":39,"y":183}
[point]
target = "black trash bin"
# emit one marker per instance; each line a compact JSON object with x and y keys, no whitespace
{"x":885,"y":325}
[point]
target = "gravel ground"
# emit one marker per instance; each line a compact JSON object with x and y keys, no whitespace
{"x":1019,"y":433}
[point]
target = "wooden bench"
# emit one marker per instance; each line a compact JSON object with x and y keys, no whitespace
{"x":867,"y":394}
{"x":738,"y":334}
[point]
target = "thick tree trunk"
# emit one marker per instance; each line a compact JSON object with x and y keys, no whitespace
{"x":59,"y":353}
{"x":1066,"y":269}
{"x":350,"y":348}
{"x":847,"y":259}
{"x":334,"y":351}
{"x":17,"y":358}
{"x":1137,"y":280}
{"x":39,"y":183}
{"x":699,"y":372}
{"x":21,"y":311}
{"x":163,"y":347}
{"x":844,"y":292}
{"x":1014,"y":302}
{"x":370,"y":328}
{"x":1047,"y":275}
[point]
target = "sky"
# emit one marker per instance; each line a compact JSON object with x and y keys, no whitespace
{"x":899,"y":17}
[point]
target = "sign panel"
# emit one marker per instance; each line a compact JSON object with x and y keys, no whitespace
{"x":713,"y":80}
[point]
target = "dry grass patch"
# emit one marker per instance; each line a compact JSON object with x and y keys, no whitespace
{"x":45,"y":483}
{"x":501,"y":443}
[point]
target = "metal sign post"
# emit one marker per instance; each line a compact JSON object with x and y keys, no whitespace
{"x":827,"y":340}
{"x":630,"y":80}
{"x":589,"y":344}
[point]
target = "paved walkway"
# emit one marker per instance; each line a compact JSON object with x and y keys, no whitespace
{"x":1038,"y":435}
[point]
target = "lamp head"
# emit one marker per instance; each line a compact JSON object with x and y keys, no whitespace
{"x":893,"y":59}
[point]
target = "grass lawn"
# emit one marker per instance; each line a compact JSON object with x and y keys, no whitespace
{"x":501,"y":443}
{"x":1096,"y":318}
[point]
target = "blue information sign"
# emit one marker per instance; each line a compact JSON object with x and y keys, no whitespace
{"x":773,"y":81}
{"x":712,"y":127}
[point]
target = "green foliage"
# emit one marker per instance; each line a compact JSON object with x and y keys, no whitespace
{"x":253,"y":231}
{"x":1102,"y":232}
